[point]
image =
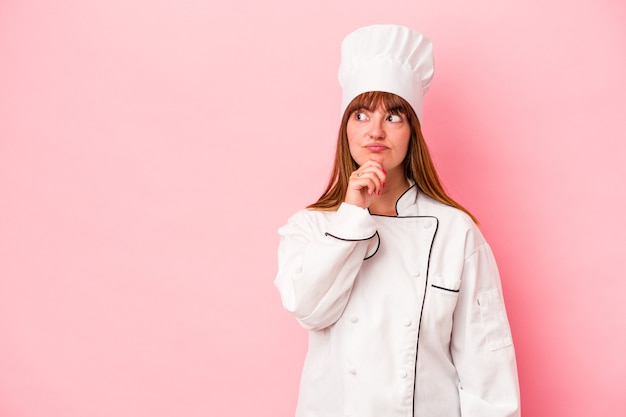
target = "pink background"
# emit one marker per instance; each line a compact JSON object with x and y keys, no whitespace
{"x":149,"y":150}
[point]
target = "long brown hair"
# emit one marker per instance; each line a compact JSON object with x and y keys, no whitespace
{"x":418,"y":165}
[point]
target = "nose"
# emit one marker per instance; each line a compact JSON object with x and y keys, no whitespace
{"x":377,"y":130}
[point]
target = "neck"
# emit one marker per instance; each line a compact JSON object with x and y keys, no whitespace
{"x":395,"y":185}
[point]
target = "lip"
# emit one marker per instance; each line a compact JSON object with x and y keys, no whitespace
{"x":376,"y":147}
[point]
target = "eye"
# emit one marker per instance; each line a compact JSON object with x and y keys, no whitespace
{"x":394,"y":118}
{"x":360,"y":115}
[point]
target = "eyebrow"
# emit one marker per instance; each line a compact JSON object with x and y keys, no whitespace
{"x":395,"y":110}
{"x":392,"y":110}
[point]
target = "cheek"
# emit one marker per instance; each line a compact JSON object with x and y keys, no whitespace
{"x":406,"y":140}
{"x":355,"y":152}
{"x":401,"y":142}
{"x":405,"y":146}
{"x":352,"y":142}
{"x":351,"y":132}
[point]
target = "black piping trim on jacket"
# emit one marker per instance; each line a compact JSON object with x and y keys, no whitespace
{"x":443,"y":288}
{"x":396,"y":207}
{"x":419,"y":325}
{"x":402,"y":195}
{"x":350,"y":240}
{"x":359,"y":240}
{"x":377,"y":247}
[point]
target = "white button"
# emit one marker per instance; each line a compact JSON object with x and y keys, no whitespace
{"x":427,"y":225}
{"x":403,"y":374}
{"x":352,"y":371}
{"x":354,"y":319}
{"x":407,"y":322}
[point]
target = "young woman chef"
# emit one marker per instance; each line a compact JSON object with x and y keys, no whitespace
{"x":392,"y":278}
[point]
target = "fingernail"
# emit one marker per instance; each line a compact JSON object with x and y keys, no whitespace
{"x":378,"y":192}
{"x":384,"y":172}
{"x":383,"y":185}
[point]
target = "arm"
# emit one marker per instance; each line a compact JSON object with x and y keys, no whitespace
{"x":318,"y":262}
{"x":482,"y":347}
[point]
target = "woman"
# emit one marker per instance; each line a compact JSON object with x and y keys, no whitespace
{"x":392,"y":278}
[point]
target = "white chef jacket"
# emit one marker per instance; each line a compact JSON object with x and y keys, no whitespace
{"x":405,"y":314}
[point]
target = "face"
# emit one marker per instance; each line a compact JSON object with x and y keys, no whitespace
{"x":379,"y":135}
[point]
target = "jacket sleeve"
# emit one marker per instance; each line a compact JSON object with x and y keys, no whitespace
{"x":318,"y":260}
{"x":482,"y":346}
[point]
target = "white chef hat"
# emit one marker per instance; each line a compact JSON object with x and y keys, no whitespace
{"x":389,"y":58}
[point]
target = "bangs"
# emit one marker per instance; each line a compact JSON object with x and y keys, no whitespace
{"x":371,"y":100}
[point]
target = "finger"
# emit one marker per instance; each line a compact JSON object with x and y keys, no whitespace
{"x":371,"y":166}
{"x":376,"y":173}
{"x":369,"y":179}
{"x":372,"y":163}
